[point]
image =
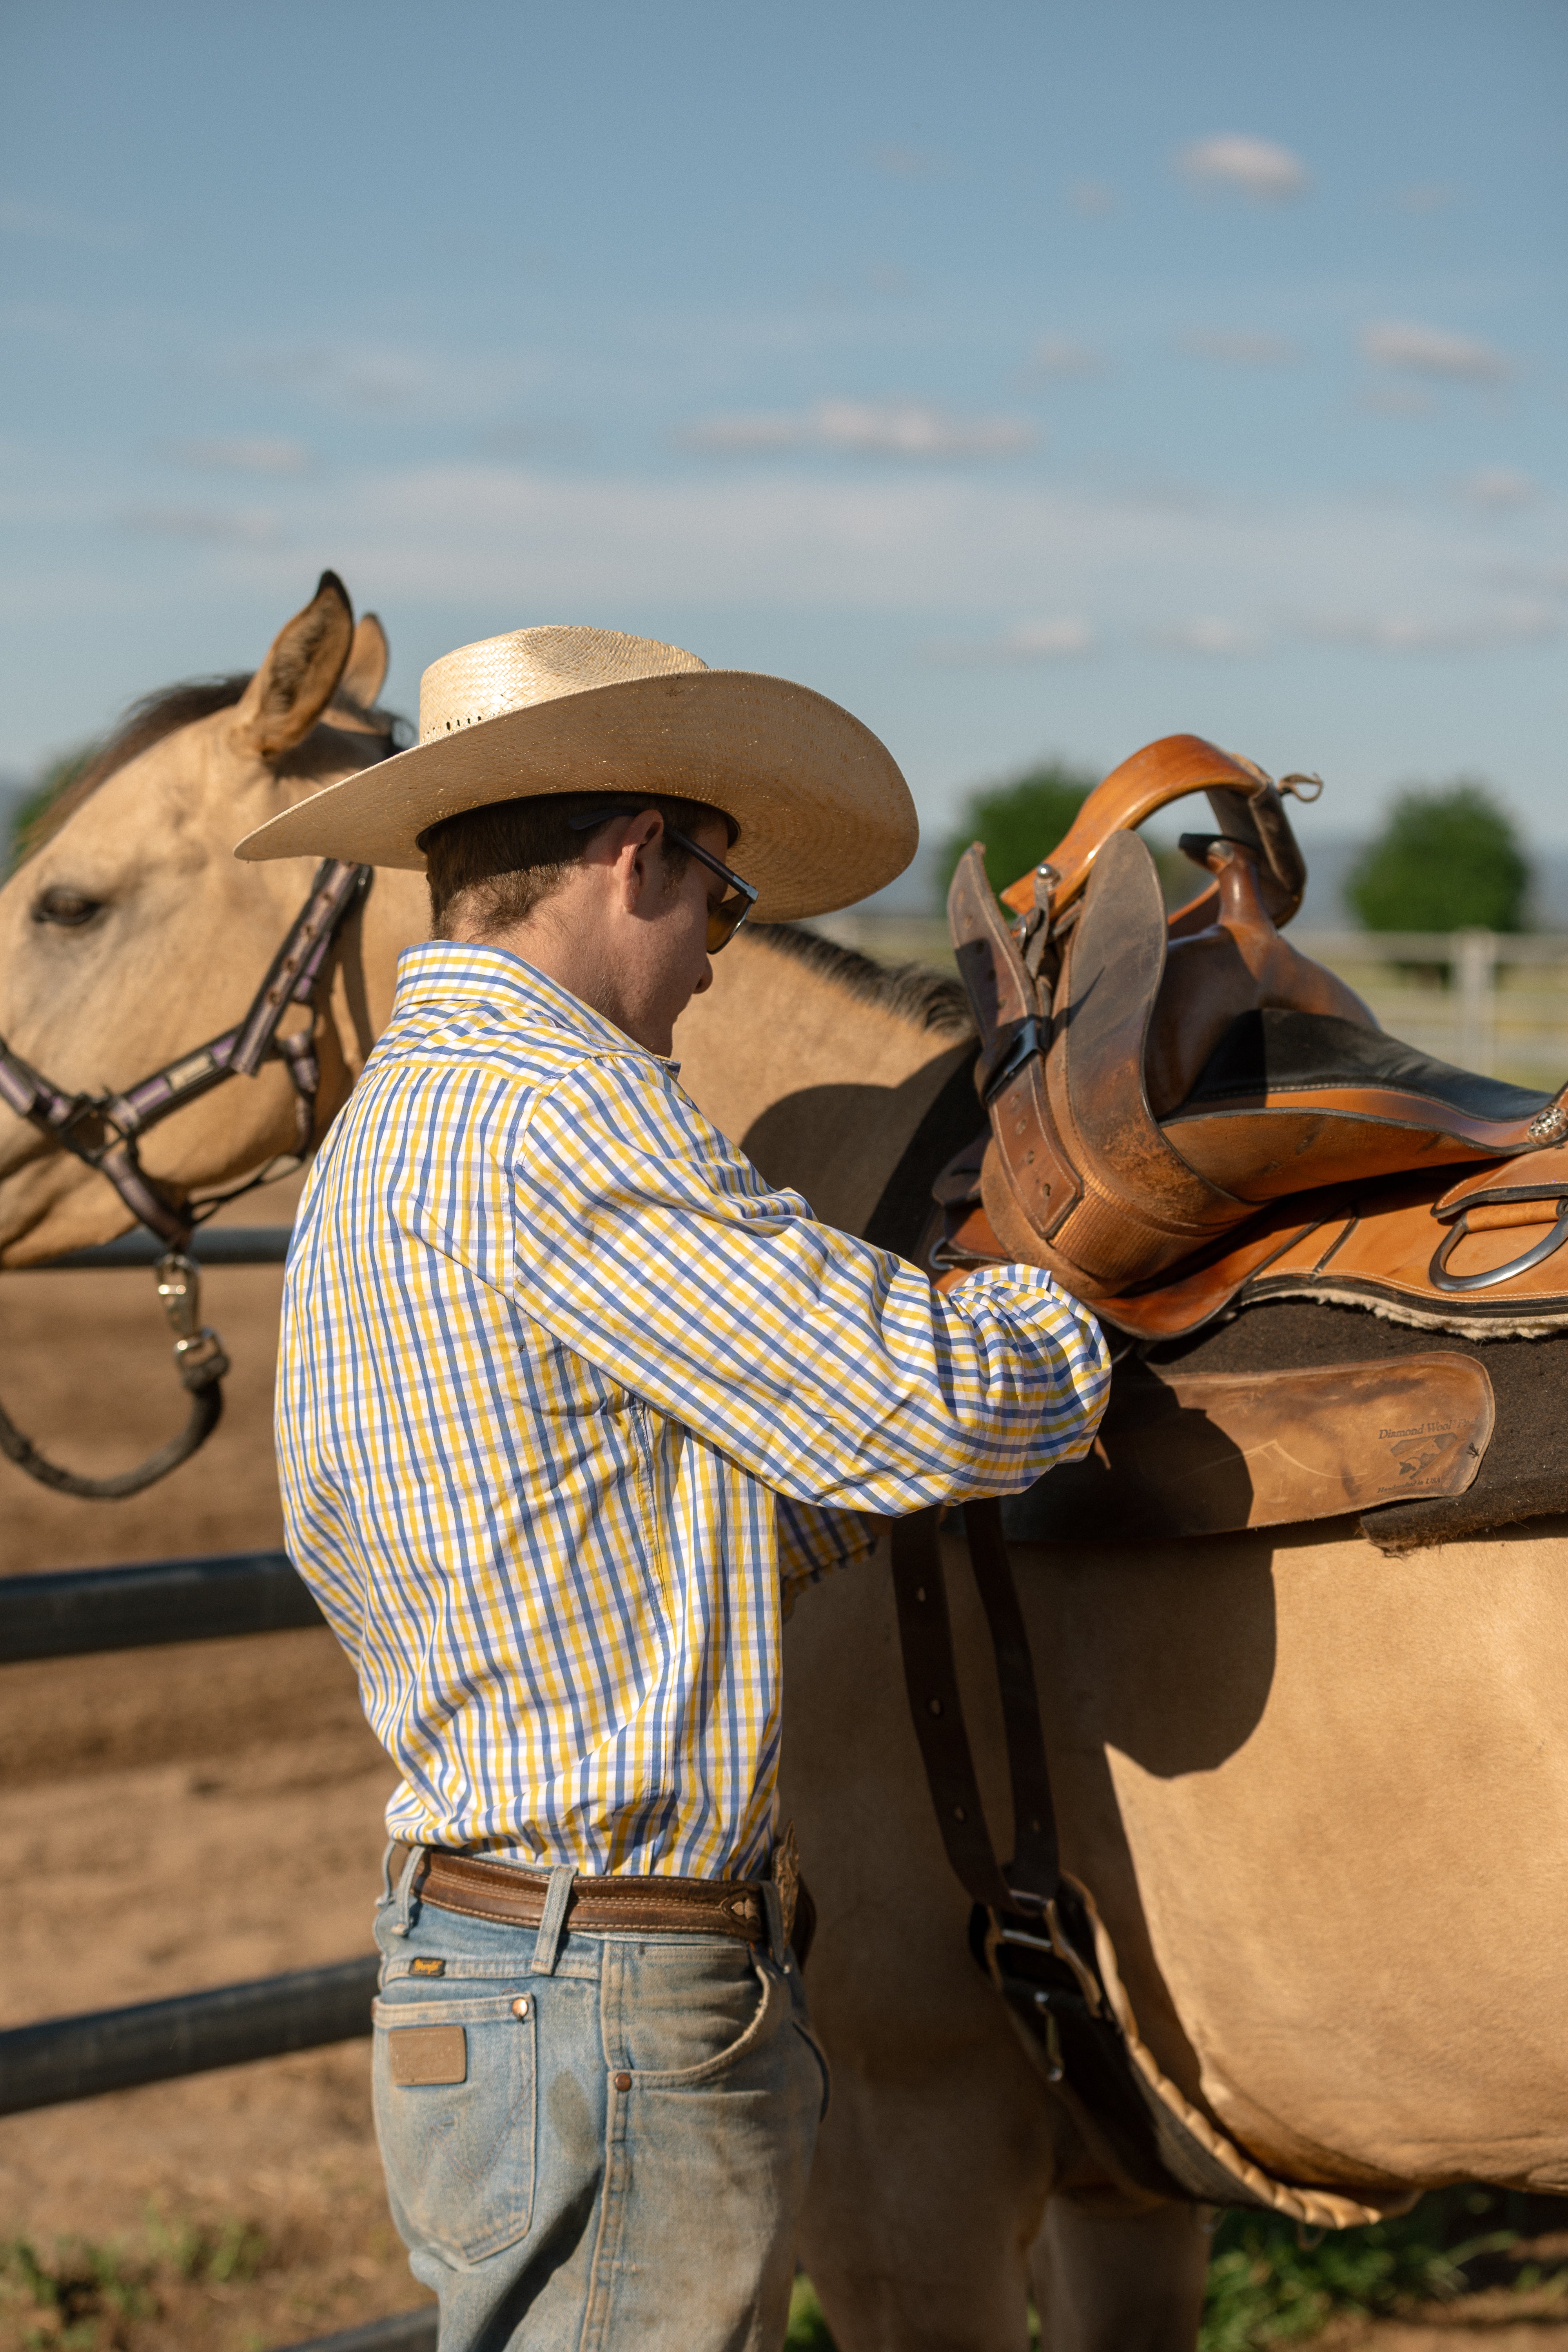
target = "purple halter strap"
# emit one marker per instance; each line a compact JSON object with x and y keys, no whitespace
{"x":105,"y":1130}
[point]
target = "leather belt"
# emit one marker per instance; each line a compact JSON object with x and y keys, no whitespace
{"x":501,"y":1891}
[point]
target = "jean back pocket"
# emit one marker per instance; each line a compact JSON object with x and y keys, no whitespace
{"x":455,"y":2083}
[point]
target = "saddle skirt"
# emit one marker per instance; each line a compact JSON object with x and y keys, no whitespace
{"x":1186,"y":1115}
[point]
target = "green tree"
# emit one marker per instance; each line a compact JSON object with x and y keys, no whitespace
{"x":1448,"y":859}
{"x":1020,"y":821}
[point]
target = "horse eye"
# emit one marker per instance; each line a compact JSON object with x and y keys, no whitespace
{"x":67,"y":908}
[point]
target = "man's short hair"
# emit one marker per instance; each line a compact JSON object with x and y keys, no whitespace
{"x":493,"y":866}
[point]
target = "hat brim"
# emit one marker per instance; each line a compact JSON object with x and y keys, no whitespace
{"x":825,"y":817}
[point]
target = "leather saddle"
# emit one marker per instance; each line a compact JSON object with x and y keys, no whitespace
{"x":1186,"y":1112}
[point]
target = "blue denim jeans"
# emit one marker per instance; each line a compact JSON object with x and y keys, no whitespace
{"x":604,"y":2140}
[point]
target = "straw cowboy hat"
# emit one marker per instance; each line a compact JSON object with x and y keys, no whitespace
{"x":823,"y":815}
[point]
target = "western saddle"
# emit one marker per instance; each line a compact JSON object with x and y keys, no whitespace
{"x":1185,"y":1113}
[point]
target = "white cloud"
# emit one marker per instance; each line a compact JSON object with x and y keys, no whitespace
{"x":202,"y":523}
{"x":951,"y":554}
{"x":1205,"y":634}
{"x":1534,"y":579}
{"x":1423,"y":196}
{"x":1407,"y":633}
{"x":1502,"y":486}
{"x":1058,"y":355}
{"x":1429,"y":351}
{"x":390,"y":376}
{"x":908,"y":162}
{"x":20,"y":219}
{"x":887,"y":428}
{"x":1240,"y":347}
{"x":252,"y":455}
{"x":1395,"y":399}
{"x":1048,"y":640}
{"x":1064,"y":639}
{"x":1258,"y":168}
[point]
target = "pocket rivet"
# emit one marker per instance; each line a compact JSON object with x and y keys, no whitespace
{"x":519,"y":2006}
{"x":623,"y":2082}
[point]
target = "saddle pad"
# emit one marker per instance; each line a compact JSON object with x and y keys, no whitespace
{"x":1195,"y":1452}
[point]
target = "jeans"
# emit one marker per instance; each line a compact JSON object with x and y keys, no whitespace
{"x":594,"y":2141}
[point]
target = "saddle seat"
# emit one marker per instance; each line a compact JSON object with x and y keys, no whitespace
{"x":1155,"y":1084}
{"x":1287,"y":1095}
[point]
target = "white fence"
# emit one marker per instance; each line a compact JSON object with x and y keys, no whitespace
{"x":1490,"y":1001}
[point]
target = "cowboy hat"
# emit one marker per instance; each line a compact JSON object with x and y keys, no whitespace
{"x":823,"y":815}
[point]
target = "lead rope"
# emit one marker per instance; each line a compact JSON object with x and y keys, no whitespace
{"x":105,"y":1132}
{"x":201,"y":1363}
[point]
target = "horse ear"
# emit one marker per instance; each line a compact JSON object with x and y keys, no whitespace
{"x":301,"y":673}
{"x":366,"y":675}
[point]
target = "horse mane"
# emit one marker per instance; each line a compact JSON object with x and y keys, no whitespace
{"x":164,"y":712}
{"x":930,"y":1000}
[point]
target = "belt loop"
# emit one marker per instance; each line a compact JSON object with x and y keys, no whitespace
{"x":773,"y":1903}
{"x":558,"y":1895}
{"x":407,"y":1897}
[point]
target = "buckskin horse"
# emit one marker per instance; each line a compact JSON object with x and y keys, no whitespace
{"x":1312,"y":1789}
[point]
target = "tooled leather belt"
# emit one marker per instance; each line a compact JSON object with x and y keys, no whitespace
{"x":514,"y":1896}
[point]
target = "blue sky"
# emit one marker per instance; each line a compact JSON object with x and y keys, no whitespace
{"x":1031,"y":379}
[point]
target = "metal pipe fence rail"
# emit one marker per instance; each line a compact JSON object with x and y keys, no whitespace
{"x":210,"y":1245}
{"x":74,"y":1613}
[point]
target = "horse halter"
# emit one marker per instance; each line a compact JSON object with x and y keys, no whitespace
{"x":105,"y":1130}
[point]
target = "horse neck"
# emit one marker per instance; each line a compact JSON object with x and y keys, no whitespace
{"x":396,"y":915}
{"x":822,"y":1086}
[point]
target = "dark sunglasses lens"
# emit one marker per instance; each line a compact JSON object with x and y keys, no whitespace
{"x":725,"y":920}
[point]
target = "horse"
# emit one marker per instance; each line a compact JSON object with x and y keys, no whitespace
{"x":1313,"y":1791}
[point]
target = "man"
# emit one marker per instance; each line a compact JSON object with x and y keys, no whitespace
{"x":571,"y":1404}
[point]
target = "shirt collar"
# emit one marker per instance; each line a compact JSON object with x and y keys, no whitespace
{"x":450,"y":972}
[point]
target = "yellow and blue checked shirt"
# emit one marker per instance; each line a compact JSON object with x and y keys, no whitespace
{"x":570,"y":1402}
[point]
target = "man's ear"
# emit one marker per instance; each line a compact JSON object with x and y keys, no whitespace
{"x":365,"y":673}
{"x":635,"y":856}
{"x":299,"y":675}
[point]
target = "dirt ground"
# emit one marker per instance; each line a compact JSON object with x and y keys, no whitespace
{"x":187,"y":1817}
{"x":180,"y":1818}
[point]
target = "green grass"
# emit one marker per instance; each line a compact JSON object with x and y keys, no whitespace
{"x":83,"y":2296}
{"x":1271,"y":2283}
{"x":78,"y":2299}
{"x":807,"y":2328}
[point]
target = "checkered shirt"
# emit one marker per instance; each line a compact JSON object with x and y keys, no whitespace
{"x":571,"y":1403}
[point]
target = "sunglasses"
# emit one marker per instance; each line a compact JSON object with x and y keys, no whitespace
{"x":724,"y":919}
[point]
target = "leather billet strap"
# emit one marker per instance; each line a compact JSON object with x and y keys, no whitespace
{"x":1033,"y":1877}
{"x":1031,"y":1929}
{"x":514,"y":1897}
